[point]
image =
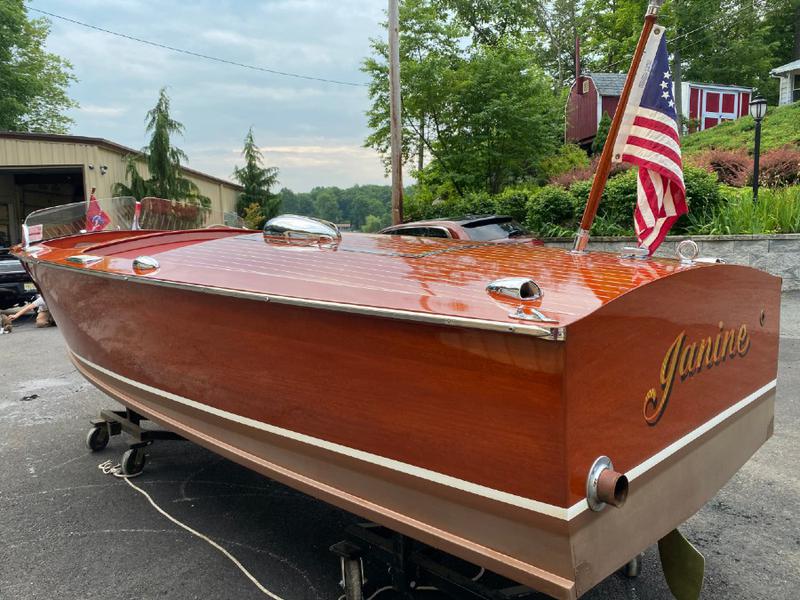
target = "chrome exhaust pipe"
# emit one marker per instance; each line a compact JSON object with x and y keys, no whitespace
{"x":605,"y":485}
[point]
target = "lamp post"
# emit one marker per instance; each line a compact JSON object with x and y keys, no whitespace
{"x":758,"y":108}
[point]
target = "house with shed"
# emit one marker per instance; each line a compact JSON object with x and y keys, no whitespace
{"x":703,"y":104}
{"x":789,"y":77}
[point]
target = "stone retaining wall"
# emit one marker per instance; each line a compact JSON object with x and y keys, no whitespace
{"x":776,"y":254}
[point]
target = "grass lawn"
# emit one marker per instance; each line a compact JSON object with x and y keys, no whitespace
{"x":781,"y":126}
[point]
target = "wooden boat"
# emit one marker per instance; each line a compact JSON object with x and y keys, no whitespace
{"x":472,"y":396}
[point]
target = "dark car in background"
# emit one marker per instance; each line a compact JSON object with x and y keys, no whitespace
{"x":478,"y":228}
{"x":16,"y":286}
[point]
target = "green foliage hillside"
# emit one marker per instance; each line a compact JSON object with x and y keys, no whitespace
{"x":781,"y":127}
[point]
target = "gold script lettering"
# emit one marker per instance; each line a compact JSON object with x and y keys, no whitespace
{"x":687,"y":360}
{"x":653,"y":402}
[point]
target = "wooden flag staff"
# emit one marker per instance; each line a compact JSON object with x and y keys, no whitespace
{"x":604,"y":165}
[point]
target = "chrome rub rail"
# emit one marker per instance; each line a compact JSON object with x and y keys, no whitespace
{"x":553,"y":333}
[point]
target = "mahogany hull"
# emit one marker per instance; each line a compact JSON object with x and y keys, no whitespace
{"x":477,"y":442}
{"x":382,"y":375}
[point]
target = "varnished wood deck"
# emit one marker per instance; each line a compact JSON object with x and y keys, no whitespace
{"x":443,"y":277}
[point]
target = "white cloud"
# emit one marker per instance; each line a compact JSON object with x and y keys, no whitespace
{"x":311,"y":130}
{"x":102,"y":111}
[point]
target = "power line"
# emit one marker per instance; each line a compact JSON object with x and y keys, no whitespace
{"x":197,"y":54}
{"x":688,"y":33}
{"x":709,"y":24}
{"x":716,"y":21}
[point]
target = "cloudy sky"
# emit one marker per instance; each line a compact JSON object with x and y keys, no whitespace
{"x":312,"y":131}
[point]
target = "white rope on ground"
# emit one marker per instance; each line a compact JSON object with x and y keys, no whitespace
{"x":111,"y":469}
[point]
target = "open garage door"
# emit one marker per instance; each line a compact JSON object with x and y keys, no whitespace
{"x":24,"y":190}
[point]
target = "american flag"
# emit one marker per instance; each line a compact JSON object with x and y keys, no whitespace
{"x":648,"y":138}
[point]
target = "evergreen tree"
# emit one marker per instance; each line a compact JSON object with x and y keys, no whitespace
{"x":163,"y":162}
{"x":257,"y":181}
{"x":33,"y":82}
{"x":163,"y":159}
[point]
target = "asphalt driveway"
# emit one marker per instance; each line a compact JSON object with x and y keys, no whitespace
{"x":69,"y":531}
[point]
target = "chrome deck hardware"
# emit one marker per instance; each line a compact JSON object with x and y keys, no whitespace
{"x":634,"y":252}
{"x":687,"y":251}
{"x":518,"y":288}
{"x":145,"y":263}
{"x":84,"y":259}
{"x":528,"y":313}
{"x":711,"y":260}
{"x":301,"y":231}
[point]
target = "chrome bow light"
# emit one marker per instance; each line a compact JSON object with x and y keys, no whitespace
{"x":302,"y":231}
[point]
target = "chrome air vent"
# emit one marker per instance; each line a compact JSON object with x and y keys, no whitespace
{"x":301,"y":231}
{"x":518,"y":288}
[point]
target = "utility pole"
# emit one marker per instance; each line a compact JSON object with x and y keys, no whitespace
{"x":677,"y":75}
{"x":395,"y":112}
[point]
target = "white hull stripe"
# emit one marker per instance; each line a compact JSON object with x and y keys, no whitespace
{"x":651,"y":462}
{"x":550,"y":510}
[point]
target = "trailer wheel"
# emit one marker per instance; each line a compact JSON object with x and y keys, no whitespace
{"x":133,"y":461}
{"x":632,"y":569}
{"x":353,"y":579}
{"x":97,"y":438}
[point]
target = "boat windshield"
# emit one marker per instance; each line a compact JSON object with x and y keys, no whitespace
{"x":121,"y":214}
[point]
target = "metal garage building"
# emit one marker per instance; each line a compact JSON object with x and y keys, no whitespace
{"x":38,"y":170}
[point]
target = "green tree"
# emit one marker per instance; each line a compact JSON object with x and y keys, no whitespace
{"x":254,"y":216}
{"x":502,"y":120}
{"x":612,"y":30}
{"x":372,"y":224}
{"x":736,"y":50}
{"x":326,"y":206}
{"x":257,"y":181}
{"x":429,"y":54}
{"x":33,"y":82}
{"x":163,"y":161}
{"x":484,"y":111}
{"x":717,"y":41}
{"x":557,"y":24}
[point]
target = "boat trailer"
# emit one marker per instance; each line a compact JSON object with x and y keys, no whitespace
{"x":114,"y":422}
{"x":413,"y":566}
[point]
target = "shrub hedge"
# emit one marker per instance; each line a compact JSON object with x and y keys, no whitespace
{"x":548,"y":214}
{"x":780,"y":168}
{"x":555,"y":210}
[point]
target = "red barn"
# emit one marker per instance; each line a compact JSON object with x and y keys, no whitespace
{"x":589,"y":97}
{"x":705,"y":104}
